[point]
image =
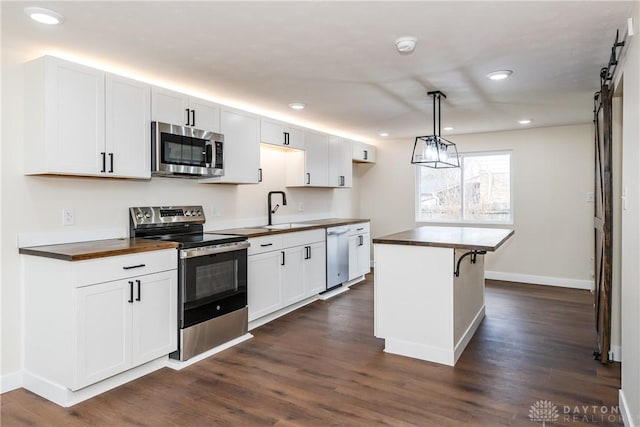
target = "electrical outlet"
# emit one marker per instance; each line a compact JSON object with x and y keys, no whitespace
{"x":300,"y":206}
{"x":68,"y":217}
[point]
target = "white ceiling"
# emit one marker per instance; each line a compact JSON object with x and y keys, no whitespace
{"x":340,"y":58}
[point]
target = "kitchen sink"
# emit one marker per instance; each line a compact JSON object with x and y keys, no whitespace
{"x":284,"y":226}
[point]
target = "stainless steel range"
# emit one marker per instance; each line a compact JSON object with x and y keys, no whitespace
{"x":212,"y":276}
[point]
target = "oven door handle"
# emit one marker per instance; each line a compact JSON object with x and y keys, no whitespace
{"x":211,"y":250}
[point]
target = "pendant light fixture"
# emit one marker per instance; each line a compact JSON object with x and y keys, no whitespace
{"x":433,"y":151}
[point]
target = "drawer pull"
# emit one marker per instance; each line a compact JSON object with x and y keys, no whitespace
{"x":129,"y":267}
{"x":130,"y":292}
{"x":264,"y":245}
{"x":360,"y":229}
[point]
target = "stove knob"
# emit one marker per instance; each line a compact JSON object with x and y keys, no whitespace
{"x":194,"y":213}
{"x":147,"y":215}
{"x":139,"y":215}
{"x":186,"y":213}
{"x":199,"y":213}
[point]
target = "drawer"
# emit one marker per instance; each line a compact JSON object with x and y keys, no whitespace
{"x":119,"y":267}
{"x":300,"y":238}
{"x":265,"y":244}
{"x":360,"y":228}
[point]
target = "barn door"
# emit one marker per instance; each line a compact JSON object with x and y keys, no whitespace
{"x":602,"y":221}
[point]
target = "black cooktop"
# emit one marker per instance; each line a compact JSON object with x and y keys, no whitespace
{"x":196,"y":240}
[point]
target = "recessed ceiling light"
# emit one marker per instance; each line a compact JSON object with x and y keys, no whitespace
{"x":297,"y":105}
{"x":406,"y":45}
{"x":44,"y":16}
{"x":448,"y":128}
{"x":384,"y":134}
{"x":524,"y":121}
{"x":499,"y":75}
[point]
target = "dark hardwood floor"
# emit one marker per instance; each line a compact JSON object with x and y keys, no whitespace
{"x":321,"y":366}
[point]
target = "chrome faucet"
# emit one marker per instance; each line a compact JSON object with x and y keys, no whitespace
{"x":284,"y":203}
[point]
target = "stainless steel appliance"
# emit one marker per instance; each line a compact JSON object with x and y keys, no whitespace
{"x":185,"y":152}
{"x":337,"y":256}
{"x":212,"y":276}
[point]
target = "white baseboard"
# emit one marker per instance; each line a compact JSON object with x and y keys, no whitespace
{"x":540,"y":280}
{"x":272,"y":316}
{"x":419,"y":351}
{"x":10,"y":381}
{"x":615,"y":353}
{"x":64,"y":397}
{"x":624,"y":410}
{"x":468,"y":334}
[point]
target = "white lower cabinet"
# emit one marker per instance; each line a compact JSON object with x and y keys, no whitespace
{"x":359,"y":250}
{"x":284,"y":269}
{"x":86,"y":321}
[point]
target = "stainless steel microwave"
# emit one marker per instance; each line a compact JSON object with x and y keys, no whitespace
{"x":185,"y":152}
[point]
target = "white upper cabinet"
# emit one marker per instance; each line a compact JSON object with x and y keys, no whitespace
{"x":281,"y":134}
{"x":363,"y":153}
{"x":309,"y":168}
{"x":177,"y":108}
{"x":241,"y":132}
{"x":128,"y":130}
{"x":71,"y":113}
{"x":340,"y":169}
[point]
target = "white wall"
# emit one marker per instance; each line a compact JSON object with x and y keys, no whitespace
{"x":630,"y":393}
{"x":102,"y":204}
{"x":553,"y":222}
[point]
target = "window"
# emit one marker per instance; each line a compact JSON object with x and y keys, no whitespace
{"x":477,"y":192}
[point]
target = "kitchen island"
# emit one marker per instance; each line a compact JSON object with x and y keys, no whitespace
{"x":429,"y":289}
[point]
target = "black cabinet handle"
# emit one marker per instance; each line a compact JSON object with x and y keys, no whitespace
{"x":104,"y":162}
{"x":283,"y":259}
{"x":286,"y":138}
{"x":366,"y":155}
{"x":360,"y":229}
{"x":193,"y":117}
{"x":361,"y":240}
{"x":111,"y":162}
{"x":130,"y":292}
{"x":308,"y":252}
{"x":264,"y":245}
{"x":139,"y":294}
{"x":341,"y":181}
{"x":187,"y":110}
{"x":129,"y":267}
{"x":259,"y":174}
{"x":308,"y":178}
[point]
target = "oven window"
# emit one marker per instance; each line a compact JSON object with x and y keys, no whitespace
{"x":216,"y":279}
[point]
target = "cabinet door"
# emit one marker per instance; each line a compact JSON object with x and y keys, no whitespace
{"x":364,"y":254}
{"x":103,"y":328}
{"x":316,"y":160}
{"x":295,"y":138}
{"x":75,"y":105}
{"x":292,"y":276}
{"x":315,"y":269}
{"x":271,"y":132}
{"x":155,"y":316}
{"x":353,"y":257}
{"x":170,"y":107}
{"x":264,"y":294}
{"x":363,"y":153}
{"x":241,"y":148}
{"x":205,"y":114}
{"x":340,"y":174}
{"x":128,"y":128}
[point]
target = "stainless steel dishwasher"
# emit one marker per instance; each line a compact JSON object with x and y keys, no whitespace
{"x":337,"y":256}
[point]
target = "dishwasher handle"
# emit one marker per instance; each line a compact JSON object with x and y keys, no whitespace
{"x":337,"y":230}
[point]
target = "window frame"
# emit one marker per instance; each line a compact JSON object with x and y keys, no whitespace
{"x":463,"y":221}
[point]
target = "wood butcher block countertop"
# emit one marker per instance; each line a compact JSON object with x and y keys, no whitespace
{"x":296,"y":226}
{"x":82,"y":251}
{"x":480,"y":239}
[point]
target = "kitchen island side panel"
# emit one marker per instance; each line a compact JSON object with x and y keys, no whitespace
{"x":468,"y":295}
{"x":414,"y":297}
